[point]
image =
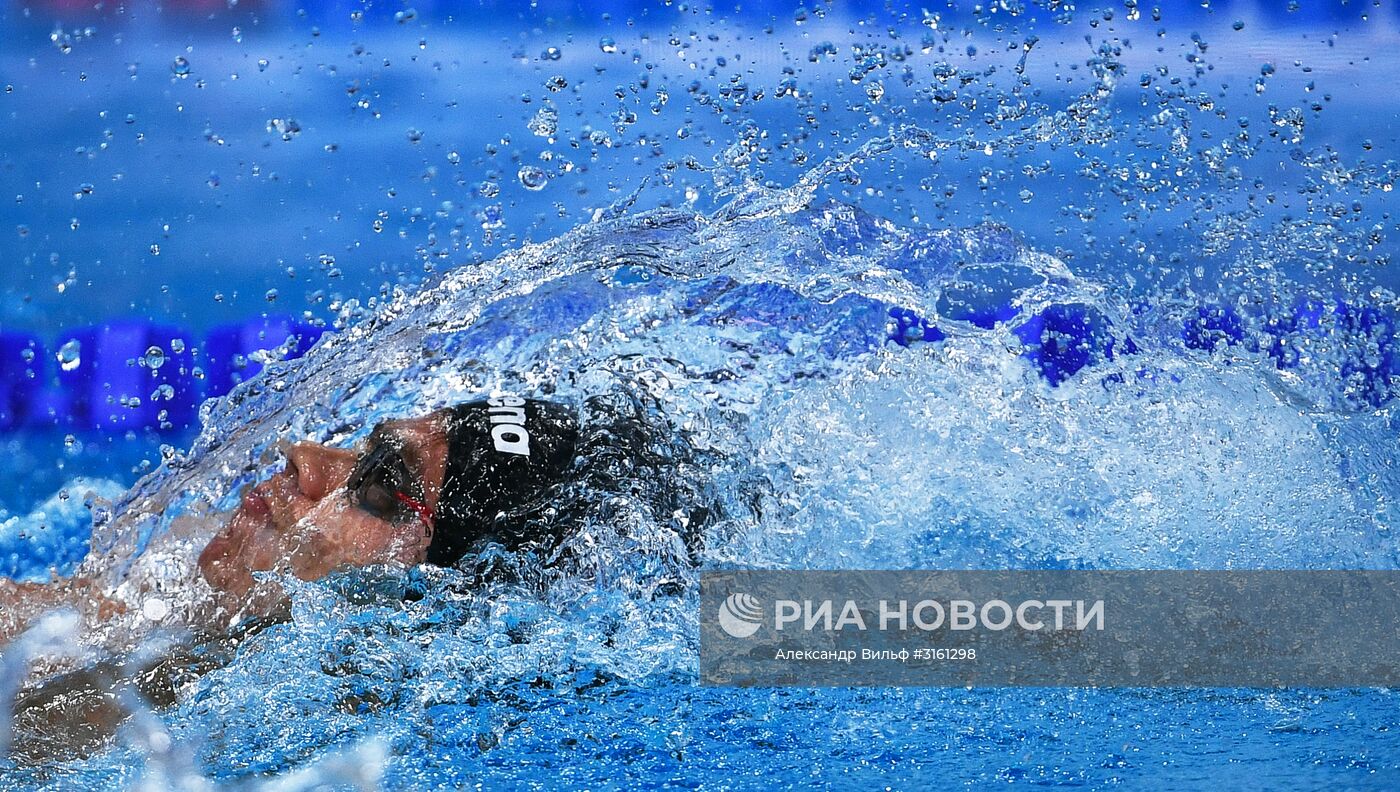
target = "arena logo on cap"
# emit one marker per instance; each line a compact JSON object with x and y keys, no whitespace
{"x":508,"y":431}
{"x":740,"y":615}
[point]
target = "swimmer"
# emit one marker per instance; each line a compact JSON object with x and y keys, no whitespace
{"x":506,"y":472}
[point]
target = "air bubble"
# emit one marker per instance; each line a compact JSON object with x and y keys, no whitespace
{"x":551,"y":54}
{"x":180,"y":67}
{"x":608,"y":45}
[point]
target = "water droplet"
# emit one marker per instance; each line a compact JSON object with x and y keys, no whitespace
{"x":556,"y":83}
{"x":154,"y":359}
{"x":70,"y":355}
{"x":551,"y":54}
{"x":545,"y":123}
{"x":607,"y":44}
{"x":533,"y":177}
{"x":491,"y":216}
{"x":180,"y":67}
{"x":288,"y":128}
{"x":155,"y":609}
{"x":415,"y":135}
{"x":155,"y":249}
{"x":63,"y":41}
{"x":262,"y":64}
{"x":177,"y":345}
{"x":271,"y":295}
{"x":406,"y":15}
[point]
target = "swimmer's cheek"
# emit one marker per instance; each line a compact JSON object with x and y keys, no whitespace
{"x":367,"y":544}
{"x":411,"y":552}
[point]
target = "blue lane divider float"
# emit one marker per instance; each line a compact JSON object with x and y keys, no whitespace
{"x":129,"y":374}
{"x":1064,"y":339}
{"x":1369,"y":333}
{"x":1059,"y":341}
{"x":134,"y":375}
{"x":1213,"y":326}
{"x":227,"y":349}
{"x":21,"y":370}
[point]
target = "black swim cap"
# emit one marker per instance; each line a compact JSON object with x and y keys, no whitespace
{"x":504,"y":456}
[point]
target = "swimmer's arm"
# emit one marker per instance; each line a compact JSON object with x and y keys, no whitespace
{"x":22,"y":603}
{"x":74,"y":714}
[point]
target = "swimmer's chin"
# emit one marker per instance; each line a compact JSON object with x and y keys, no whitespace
{"x":226,"y":561}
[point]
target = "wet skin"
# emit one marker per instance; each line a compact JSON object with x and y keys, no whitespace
{"x":302,"y":521}
{"x":306,"y":522}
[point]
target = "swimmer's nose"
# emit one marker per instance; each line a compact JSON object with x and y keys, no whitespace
{"x":318,"y":470}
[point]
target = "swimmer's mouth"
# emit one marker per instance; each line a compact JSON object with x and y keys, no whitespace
{"x":255,"y":504}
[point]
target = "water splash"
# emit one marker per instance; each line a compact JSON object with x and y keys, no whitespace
{"x":762,"y":329}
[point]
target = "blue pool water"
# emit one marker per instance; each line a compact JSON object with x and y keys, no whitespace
{"x":979,"y":290}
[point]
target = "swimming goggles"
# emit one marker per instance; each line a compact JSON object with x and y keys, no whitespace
{"x":382,"y":485}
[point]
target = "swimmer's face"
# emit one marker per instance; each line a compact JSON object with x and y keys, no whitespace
{"x":333,"y":507}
